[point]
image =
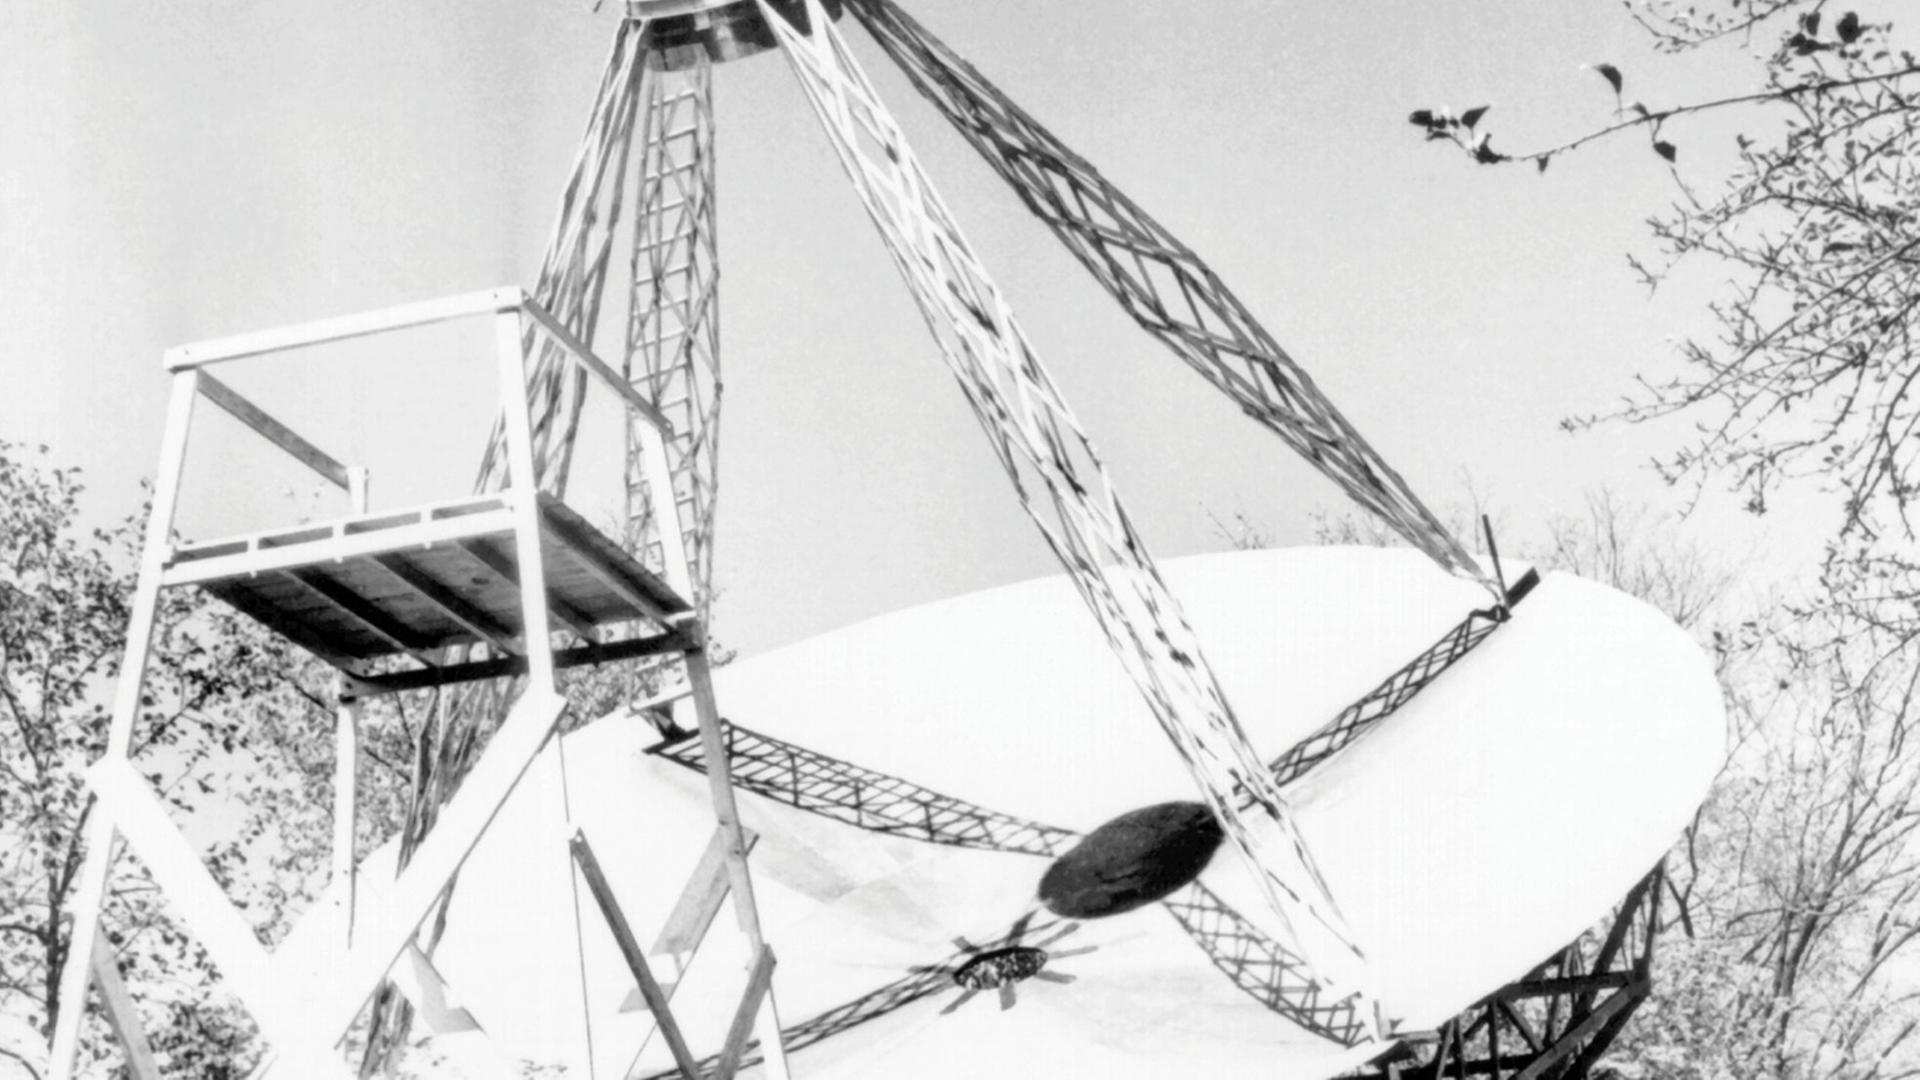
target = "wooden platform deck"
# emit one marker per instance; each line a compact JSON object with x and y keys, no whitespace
{"x":411,"y":583}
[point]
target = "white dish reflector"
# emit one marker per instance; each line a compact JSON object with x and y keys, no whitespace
{"x":1478,"y":829}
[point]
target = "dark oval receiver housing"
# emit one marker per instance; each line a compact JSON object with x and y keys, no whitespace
{"x":1135,"y":859}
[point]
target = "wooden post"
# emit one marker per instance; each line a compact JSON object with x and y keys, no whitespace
{"x":616,"y":920}
{"x":121,"y":1015}
{"x":759,"y":984}
{"x":727,"y":812}
{"x":90,"y":896}
{"x":523,"y":496}
{"x":700,"y":899}
{"x":346,"y":758}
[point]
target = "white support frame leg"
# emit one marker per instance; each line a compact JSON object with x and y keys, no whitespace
{"x":657,"y":471}
{"x":121,"y":1016}
{"x":745,"y":910}
{"x":346,"y":758}
{"x":90,"y":897}
{"x":1036,"y":437}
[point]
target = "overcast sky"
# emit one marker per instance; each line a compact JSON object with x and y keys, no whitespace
{"x":193,"y":169}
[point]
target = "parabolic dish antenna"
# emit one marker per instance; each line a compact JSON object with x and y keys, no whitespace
{"x":978,"y":825}
{"x":906,"y":776}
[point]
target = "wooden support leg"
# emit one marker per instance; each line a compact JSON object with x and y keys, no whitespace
{"x":759,"y":985}
{"x":90,"y":897}
{"x":346,"y":761}
{"x":346,"y":753}
{"x":523,"y":481}
{"x":706,"y":889}
{"x":650,"y":989}
{"x":121,"y":1016}
{"x":727,"y":812}
{"x":583,"y":1058}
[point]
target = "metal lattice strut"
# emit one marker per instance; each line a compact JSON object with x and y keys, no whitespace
{"x":1159,"y":281}
{"x":1263,"y":968}
{"x":867,"y":799}
{"x":673,"y":326}
{"x":1040,"y":445}
{"x":573,"y":275}
{"x":1557,"y":1021}
{"x":1399,"y":688}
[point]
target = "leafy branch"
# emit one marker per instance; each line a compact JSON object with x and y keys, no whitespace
{"x":1851,"y":34}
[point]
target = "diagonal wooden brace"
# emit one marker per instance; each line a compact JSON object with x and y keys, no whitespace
{"x":142,"y":819}
{"x":707,"y":887}
{"x":616,"y":920}
{"x":380,"y":936}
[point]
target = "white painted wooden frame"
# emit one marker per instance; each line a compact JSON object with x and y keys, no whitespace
{"x":304,"y":1021}
{"x":305,"y":1014}
{"x":342,"y":328}
{"x":101,"y":837}
{"x":121,"y":1016}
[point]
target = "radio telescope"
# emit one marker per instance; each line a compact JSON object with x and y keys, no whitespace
{"x":1340,"y":817}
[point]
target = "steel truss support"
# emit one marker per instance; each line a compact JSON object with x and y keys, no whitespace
{"x":816,"y":783}
{"x":1561,"y":1015}
{"x":573,"y":275}
{"x":1262,"y":968}
{"x":795,"y":776}
{"x":1159,"y":281}
{"x":1399,"y":688}
{"x":1555,"y":1023}
{"x":1040,"y":444}
{"x":870,"y":1006}
{"x":673,"y":325}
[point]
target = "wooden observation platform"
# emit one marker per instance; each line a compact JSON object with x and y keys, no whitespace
{"x":367,"y":588}
{"x":507,"y":583}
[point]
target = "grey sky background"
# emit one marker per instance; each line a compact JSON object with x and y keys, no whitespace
{"x":174,"y":172}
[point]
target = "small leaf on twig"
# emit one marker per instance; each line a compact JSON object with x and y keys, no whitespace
{"x":1540,"y":162}
{"x":1664,"y":149}
{"x":1803,"y":45}
{"x":1472,"y":116}
{"x":1848,"y":27}
{"x":1611,"y":74}
{"x":1810,"y":22}
{"x":1421,"y":117}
